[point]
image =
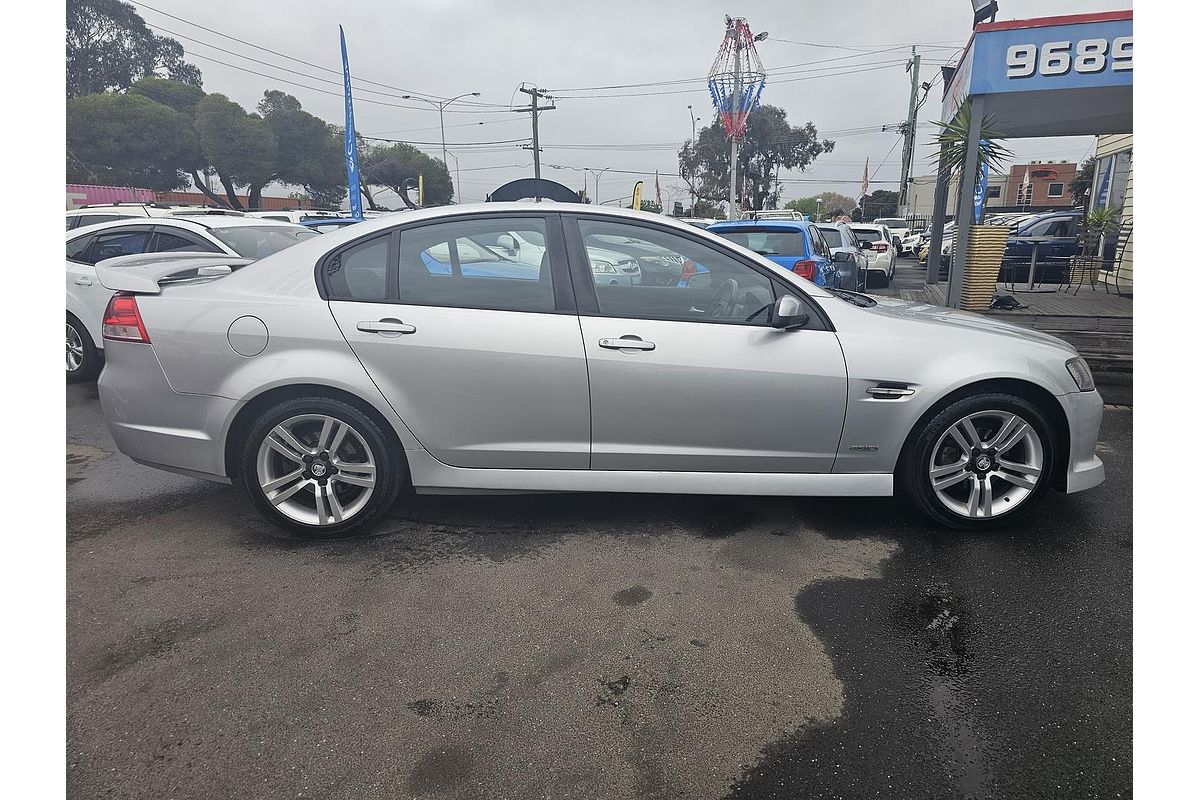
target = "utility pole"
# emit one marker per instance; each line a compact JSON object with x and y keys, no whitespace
{"x":533,"y":109}
{"x":910,"y":129}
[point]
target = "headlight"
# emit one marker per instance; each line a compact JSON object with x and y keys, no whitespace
{"x":602,"y":266}
{"x":1081,"y":373}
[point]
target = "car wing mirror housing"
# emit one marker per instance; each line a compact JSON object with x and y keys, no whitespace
{"x":789,"y":314}
{"x":841,"y":255}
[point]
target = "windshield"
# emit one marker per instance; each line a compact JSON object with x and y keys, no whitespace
{"x":892,"y":223}
{"x":866,"y":235}
{"x":767,"y":241}
{"x":832,"y":237}
{"x":252,"y":241}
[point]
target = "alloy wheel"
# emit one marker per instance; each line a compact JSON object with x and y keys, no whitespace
{"x":75,"y":352}
{"x":986,"y":464}
{"x":316,"y":469}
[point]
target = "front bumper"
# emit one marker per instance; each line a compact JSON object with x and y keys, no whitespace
{"x":1084,"y":412}
{"x":157,"y":426}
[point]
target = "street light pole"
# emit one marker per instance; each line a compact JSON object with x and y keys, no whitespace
{"x":441,"y":107}
{"x":692,"y":192}
{"x":596,"y":174}
{"x":457,"y":179}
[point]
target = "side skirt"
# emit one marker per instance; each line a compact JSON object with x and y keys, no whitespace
{"x":430,"y":476}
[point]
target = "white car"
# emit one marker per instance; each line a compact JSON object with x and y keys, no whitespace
{"x":111,"y":212}
{"x":899,"y":229}
{"x":876,"y":243}
{"x":236,"y":236}
{"x":297,"y":216}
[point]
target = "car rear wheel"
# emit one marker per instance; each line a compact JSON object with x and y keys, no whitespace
{"x":83,"y":359}
{"x":320,"y":468}
{"x":980,"y":463}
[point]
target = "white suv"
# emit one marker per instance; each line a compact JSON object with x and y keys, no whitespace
{"x":96,"y":214}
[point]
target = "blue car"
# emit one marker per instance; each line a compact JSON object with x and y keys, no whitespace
{"x":795,"y":245}
{"x":328,"y":224}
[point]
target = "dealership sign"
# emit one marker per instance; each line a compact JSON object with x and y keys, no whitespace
{"x":1076,"y":52}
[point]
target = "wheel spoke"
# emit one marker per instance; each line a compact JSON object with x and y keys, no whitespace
{"x":327,"y":430}
{"x":972,"y":434}
{"x":961,"y":441}
{"x":1018,"y":480}
{"x":355,"y":474}
{"x":973,"y":500}
{"x":1014,"y":436}
{"x":322,"y":511}
{"x":987,"y":495}
{"x":287,"y":493}
{"x":1002,"y":434}
{"x":283,"y":442}
{"x":950,"y":480}
{"x":1023,"y":469}
{"x":335,"y":505}
{"x":342,"y":429}
{"x":941,"y":472}
{"x":282,"y":481}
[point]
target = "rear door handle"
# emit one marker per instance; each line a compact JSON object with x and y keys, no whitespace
{"x":83,"y":281}
{"x":627,"y":343}
{"x":386,"y":326}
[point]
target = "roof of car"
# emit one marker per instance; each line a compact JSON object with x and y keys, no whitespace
{"x":777,"y":224}
{"x":186,"y":222}
{"x":319,"y":221}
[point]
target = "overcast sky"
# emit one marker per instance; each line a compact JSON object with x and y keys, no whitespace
{"x":446,"y":47}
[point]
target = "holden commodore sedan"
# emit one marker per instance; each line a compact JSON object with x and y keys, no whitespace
{"x":341,"y":372}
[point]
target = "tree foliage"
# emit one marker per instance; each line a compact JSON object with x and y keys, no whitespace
{"x":1082,"y":183}
{"x":879,"y":203}
{"x":397,"y":167}
{"x":770,"y":144}
{"x":831,"y":203}
{"x":240,"y":147}
{"x":308,"y":150}
{"x":109,"y":47}
{"x":127,"y":140}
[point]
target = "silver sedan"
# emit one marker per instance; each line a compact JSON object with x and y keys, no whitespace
{"x":331,"y":377}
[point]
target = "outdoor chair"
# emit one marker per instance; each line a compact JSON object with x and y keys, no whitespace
{"x":1086,"y":264}
{"x":1117,"y":264}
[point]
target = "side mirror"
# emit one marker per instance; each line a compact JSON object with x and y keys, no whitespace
{"x":788,"y":314}
{"x":508,"y":243}
{"x":841,"y":255}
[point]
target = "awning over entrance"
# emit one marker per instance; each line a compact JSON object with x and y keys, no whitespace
{"x":1053,"y":76}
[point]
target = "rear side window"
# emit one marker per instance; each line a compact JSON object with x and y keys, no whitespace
{"x":166,"y":242}
{"x":832,"y":237}
{"x":96,"y":219}
{"x":359,"y":272}
{"x":118,"y":243}
{"x":77,"y":249}
{"x":820,"y":247}
{"x":500,"y":264}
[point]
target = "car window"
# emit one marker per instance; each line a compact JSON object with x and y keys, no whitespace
{"x":767,"y":241}
{"x":359,"y":272}
{"x":253,"y":241}
{"x":77,"y":249}
{"x":96,"y":219}
{"x":848,"y":238}
{"x":1056,"y":226}
{"x":118,"y":243}
{"x":819,"y":244}
{"x":865,"y":235}
{"x":167,"y":242}
{"x":461,"y":265}
{"x":832,"y":237}
{"x":279,"y":217}
{"x":711,"y":286}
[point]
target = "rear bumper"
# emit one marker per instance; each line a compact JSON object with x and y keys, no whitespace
{"x":1084,"y":412}
{"x":155,"y":425}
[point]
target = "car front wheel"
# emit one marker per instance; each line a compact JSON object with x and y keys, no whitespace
{"x":320,"y":468}
{"x":980,"y":463}
{"x":83,"y":359}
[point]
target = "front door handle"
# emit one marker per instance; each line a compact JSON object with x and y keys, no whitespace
{"x":83,"y":281}
{"x":388,"y":325}
{"x":627,"y":342}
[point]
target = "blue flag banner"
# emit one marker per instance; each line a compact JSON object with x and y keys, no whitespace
{"x":981,"y":186}
{"x":351,"y":141}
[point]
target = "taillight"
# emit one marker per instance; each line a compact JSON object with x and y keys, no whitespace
{"x":805,"y":269}
{"x":122,"y":321}
{"x":879,"y":247}
{"x":688,"y":270}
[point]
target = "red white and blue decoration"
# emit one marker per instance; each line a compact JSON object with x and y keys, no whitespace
{"x":737,"y":77}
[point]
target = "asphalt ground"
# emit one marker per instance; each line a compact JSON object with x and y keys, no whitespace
{"x":587,"y":646}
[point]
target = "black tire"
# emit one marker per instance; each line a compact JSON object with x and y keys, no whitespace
{"x":391,"y":469}
{"x":90,"y":364}
{"x":913,"y":474}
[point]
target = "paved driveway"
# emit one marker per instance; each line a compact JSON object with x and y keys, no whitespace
{"x":590,"y":645}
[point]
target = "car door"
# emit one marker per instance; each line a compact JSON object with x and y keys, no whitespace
{"x":692,"y":377}
{"x":479,"y":355}
{"x":84,"y":291}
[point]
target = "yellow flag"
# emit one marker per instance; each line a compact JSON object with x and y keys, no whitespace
{"x":637,"y":196}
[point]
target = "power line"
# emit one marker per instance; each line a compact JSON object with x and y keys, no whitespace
{"x":297,"y":60}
